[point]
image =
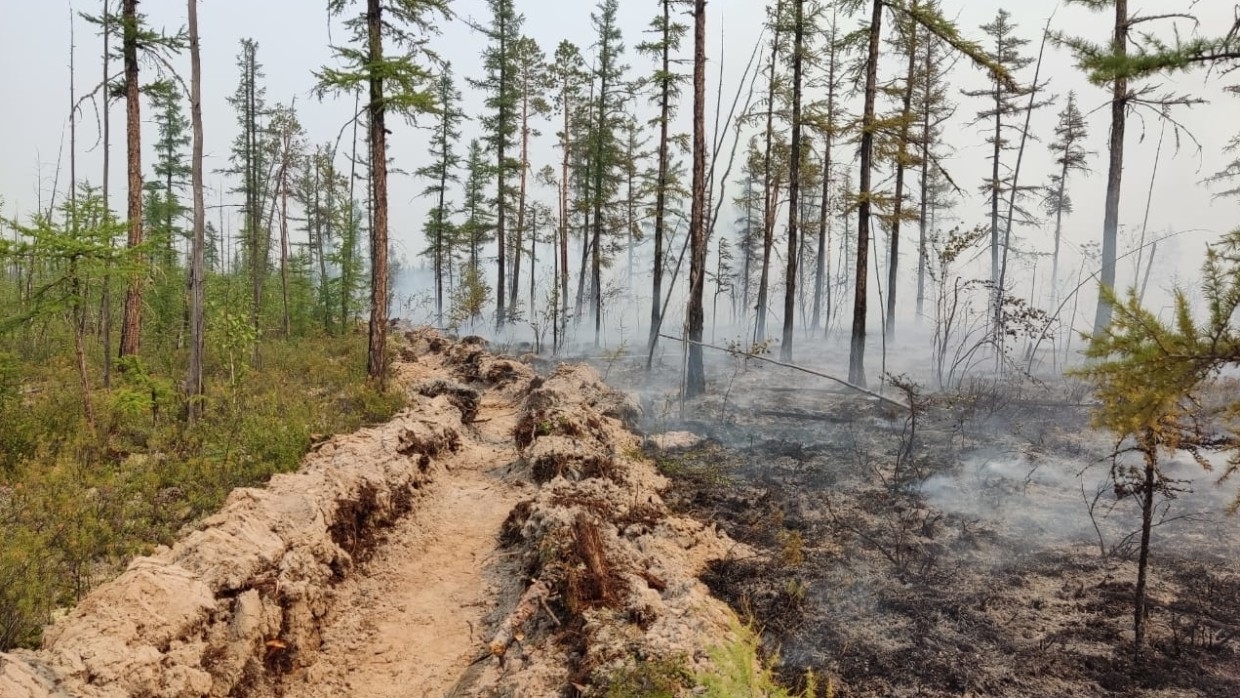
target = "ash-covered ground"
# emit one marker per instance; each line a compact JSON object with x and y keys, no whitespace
{"x":978,"y":550}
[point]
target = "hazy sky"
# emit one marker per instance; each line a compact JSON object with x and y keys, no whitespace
{"x":293,"y":38}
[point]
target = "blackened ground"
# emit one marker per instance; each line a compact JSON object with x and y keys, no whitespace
{"x":957,"y":560}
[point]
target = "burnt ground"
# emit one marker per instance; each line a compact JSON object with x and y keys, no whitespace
{"x":959,"y":558}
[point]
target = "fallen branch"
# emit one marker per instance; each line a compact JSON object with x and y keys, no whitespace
{"x":509,"y":630}
{"x":794,"y":367}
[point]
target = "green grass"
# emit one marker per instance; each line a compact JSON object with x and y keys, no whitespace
{"x":76,"y":504}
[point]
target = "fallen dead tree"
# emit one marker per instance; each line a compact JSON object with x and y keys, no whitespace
{"x":757,"y":357}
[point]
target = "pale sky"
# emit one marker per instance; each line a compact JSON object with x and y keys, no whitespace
{"x":293,"y":37}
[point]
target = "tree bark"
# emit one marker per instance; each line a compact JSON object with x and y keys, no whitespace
{"x":1115,"y":171}
{"x":856,"y":357}
{"x":376,"y":355}
{"x":824,"y":211}
{"x":794,"y":187}
{"x":501,"y":142}
{"x":131,"y":325}
{"x":197,"y":329}
{"x":770,"y":191}
{"x":660,"y":196}
{"x":695,"y":378}
{"x":906,"y":116}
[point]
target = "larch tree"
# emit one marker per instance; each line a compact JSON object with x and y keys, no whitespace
{"x":933,"y":109}
{"x":824,"y":118}
{"x":442,"y":171}
{"x":251,"y":158}
{"x":667,"y":84}
{"x":695,"y":376}
{"x":1071,"y":157}
{"x":1129,"y":56}
{"x":1003,"y":106}
{"x":901,"y":151}
{"x":931,"y":18}
{"x":567,"y":76}
{"x":399,"y":84}
{"x":500,"y":125}
{"x":608,"y":112}
{"x":770,"y":184}
{"x":137,"y":41}
{"x":1146,"y":372}
{"x":531,"y":84}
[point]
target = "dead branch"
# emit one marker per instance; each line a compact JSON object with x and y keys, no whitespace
{"x":509,"y":630}
{"x":812,"y":372}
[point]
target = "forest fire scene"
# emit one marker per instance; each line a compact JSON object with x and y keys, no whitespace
{"x":526,"y":349}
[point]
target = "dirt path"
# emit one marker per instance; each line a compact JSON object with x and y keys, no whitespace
{"x":421,"y":611}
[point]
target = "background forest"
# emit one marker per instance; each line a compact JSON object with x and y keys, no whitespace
{"x":872,"y":170}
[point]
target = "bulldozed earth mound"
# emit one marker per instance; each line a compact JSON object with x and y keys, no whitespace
{"x":503,"y":536}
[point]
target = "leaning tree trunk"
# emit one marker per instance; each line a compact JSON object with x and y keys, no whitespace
{"x":131,"y":323}
{"x":695,"y":378}
{"x":376,"y":354}
{"x":856,"y":358}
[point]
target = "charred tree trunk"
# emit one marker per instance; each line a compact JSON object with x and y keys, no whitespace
{"x":770,"y":191}
{"x":794,"y":187}
{"x":695,"y":378}
{"x":906,"y":115}
{"x":856,"y":359}
{"x":660,"y":196}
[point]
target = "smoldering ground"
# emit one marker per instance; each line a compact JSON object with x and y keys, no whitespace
{"x":976,"y":549}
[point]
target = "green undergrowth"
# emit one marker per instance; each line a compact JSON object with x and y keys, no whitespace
{"x":736,"y":671}
{"x":77,"y":503}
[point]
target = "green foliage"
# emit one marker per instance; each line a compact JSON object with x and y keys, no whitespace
{"x":660,"y":678}
{"x":407,"y":83}
{"x":75,"y":504}
{"x":1147,"y":370}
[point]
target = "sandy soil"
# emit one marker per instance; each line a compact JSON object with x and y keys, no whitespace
{"x":414,"y":622}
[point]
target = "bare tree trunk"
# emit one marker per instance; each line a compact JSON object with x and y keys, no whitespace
{"x":131,"y":325}
{"x":794,"y":187}
{"x":1115,"y":171}
{"x":824,"y":212}
{"x":695,"y":378}
{"x":521,"y":192}
{"x":770,"y":191}
{"x":1149,"y":447}
{"x":660,"y":194}
{"x":197,"y":329}
{"x":106,"y":301}
{"x":906,"y":115}
{"x":923,"y":214}
{"x":501,"y":142}
{"x":284,"y":169}
{"x":563,"y":242}
{"x":856,"y":357}
{"x":376,"y":355}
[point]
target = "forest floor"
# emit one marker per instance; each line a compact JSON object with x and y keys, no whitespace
{"x":952,"y":557}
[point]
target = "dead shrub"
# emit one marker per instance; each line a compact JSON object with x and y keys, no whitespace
{"x":432,"y":444}
{"x":463,"y":398}
{"x":512,"y":531}
{"x":572,"y":466}
{"x":591,"y":580}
